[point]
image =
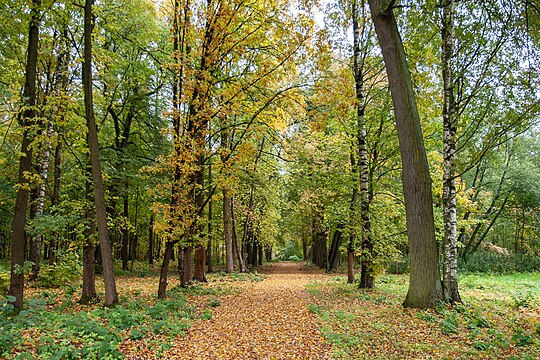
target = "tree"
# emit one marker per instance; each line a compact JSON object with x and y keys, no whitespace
{"x":425,"y":284}
{"x":27,"y":121}
{"x":449,"y":112}
{"x":111,"y":297}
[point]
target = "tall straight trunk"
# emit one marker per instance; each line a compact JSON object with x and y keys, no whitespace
{"x":209,"y":262}
{"x":151,"y":240}
{"x":56,"y":196}
{"x":425,"y":283}
{"x":125,"y":234}
{"x":89,"y":251}
{"x":26,"y":120}
{"x":239,"y":252}
{"x":111,"y":297}
{"x":229,"y":255}
{"x":333,"y":255}
{"x":351,"y":277}
{"x":449,"y":114}
{"x":367,"y":280}
{"x":37,"y":241}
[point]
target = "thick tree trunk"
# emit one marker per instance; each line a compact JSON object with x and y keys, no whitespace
{"x":187,"y":273}
{"x":164,"y":273}
{"x":199,"y":271}
{"x":449,"y":114}
{"x":425,"y":283}
{"x":111,"y":297}
{"x":26,"y":120}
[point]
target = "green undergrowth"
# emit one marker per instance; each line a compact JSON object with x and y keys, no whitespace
{"x":499,"y":319}
{"x":53,"y":325}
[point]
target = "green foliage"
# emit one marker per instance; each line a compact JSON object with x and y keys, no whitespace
{"x":93,"y":333}
{"x":4,"y":280}
{"x":487,"y":262}
{"x":291,"y":249}
{"x":67,"y":270}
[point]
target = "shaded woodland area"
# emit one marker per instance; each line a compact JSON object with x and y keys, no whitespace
{"x":220,"y":135}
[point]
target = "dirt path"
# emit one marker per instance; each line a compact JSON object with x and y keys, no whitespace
{"x":268,"y":321}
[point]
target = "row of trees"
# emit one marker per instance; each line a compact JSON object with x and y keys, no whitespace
{"x":229,"y":127}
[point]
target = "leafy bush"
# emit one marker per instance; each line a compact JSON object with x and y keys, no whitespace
{"x":488,"y":262}
{"x":65,"y":271}
{"x":290,"y":249}
{"x":399,"y":266}
{"x":4,"y":281}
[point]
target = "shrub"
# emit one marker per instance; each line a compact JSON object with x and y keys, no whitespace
{"x":67,"y":270}
{"x":488,"y":262}
{"x":4,"y":281}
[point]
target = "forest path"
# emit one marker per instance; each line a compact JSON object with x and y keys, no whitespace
{"x":267,"y":321}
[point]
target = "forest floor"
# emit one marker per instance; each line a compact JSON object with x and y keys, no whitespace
{"x":288,"y":311}
{"x":269,"y":320}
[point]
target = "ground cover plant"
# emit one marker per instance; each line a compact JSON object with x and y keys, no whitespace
{"x":499,"y":319}
{"x":53,"y":325}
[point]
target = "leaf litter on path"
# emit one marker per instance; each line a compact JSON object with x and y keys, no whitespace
{"x":268,"y":321}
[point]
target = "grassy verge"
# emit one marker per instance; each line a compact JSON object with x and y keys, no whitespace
{"x":500,"y":319}
{"x":54,"y":326}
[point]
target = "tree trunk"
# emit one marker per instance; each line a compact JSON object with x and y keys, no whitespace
{"x":125,"y":235}
{"x":239,"y":252}
{"x":111,"y":297}
{"x":425,"y":283}
{"x":37,"y":241}
{"x":229,"y":255}
{"x":199,"y":271}
{"x":56,"y":197}
{"x":164,"y":273}
{"x":449,"y":114}
{"x":89,"y":252}
{"x":350,"y":266}
{"x":367,"y":280}
{"x":26,"y":120}
{"x":334,"y":253}
{"x":151,"y":241}
{"x":209,"y":262}
{"x":187,"y":273}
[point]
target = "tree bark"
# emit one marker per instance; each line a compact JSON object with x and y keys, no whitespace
{"x":367,"y":280}
{"x":425,"y":283}
{"x":125,"y":233}
{"x":89,"y":252}
{"x":37,"y":241}
{"x":151,"y":241}
{"x":187,"y":273}
{"x":229,"y":255}
{"x":56,"y":196}
{"x":26,"y":120}
{"x":449,"y":114}
{"x":111,"y":296}
{"x":239,"y":252}
{"x":163,"y":275}
{"x":209,"y":262}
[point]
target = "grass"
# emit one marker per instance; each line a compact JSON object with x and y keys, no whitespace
{"x":53,"y":325}
{"x":499,"y":319}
